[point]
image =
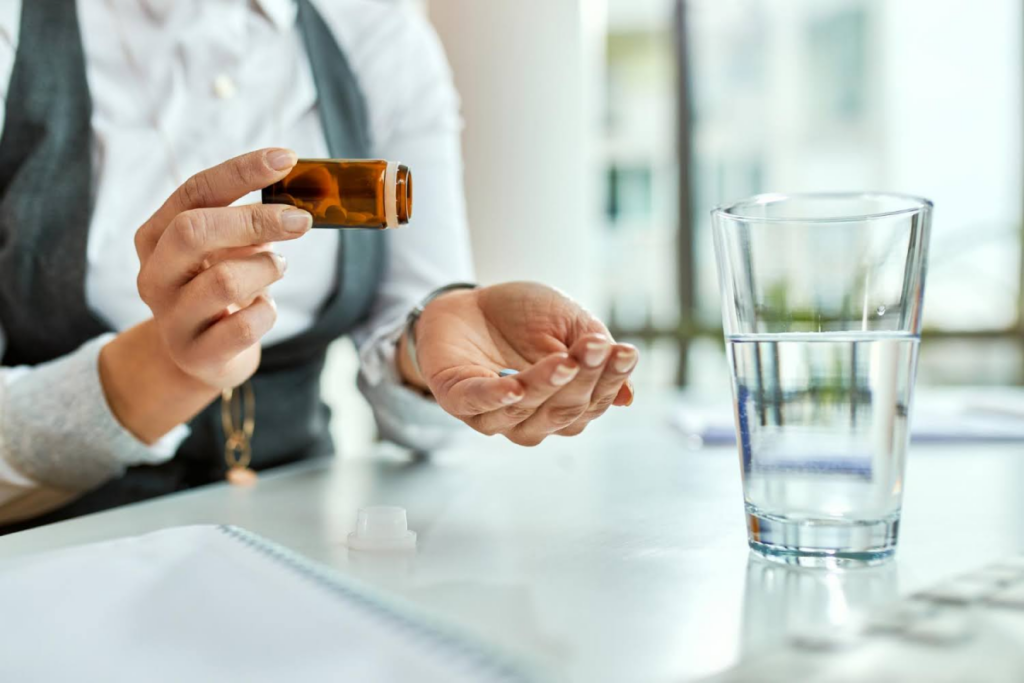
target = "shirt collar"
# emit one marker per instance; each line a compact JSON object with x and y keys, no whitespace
{"x":280,"y":12}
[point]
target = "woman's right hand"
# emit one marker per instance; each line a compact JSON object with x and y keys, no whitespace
{"x":206,"y":266}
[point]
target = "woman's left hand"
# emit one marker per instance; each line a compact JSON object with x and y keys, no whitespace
{"x":570,"y":370}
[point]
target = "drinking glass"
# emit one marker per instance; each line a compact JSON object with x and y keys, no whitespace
{"x":821,"y":307}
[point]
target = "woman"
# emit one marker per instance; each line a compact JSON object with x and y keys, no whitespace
{"x":121,"y":327}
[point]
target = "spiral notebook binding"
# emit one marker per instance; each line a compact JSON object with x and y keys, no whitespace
{"x":467,"y":651}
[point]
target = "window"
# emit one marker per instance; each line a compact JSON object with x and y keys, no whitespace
{"x":902,"y":95}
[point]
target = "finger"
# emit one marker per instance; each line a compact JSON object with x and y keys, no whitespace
{"x":621,"y":361}
{"x":217,"y":186}
{"x":571,"y":402}
{"x":626,"y":394}
{"x":185,"y":247}
{"x":539,"y":383}
{"x":230,"y":336}
{"x":235,"y":282}
{"x":238,"y":252}
{"x":479,"y":390}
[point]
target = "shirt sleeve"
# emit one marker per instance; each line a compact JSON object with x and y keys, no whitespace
{"x":58,"y":437}
{"x":419,"y":128}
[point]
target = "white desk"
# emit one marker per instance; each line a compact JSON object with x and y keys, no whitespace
{"x":616,"y":556}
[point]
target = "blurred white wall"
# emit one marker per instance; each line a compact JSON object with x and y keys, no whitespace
{"x":529,"y":72}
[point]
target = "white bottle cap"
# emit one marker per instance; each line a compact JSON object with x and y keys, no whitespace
{"x":391,"y":195}
{"x":382,"y":527}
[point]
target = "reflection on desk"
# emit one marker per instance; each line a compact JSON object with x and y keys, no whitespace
{"x":783,"y":600}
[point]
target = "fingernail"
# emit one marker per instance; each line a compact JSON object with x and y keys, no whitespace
{"x":597,"y":352}
{"x":563,"y":374}
{"x":281,"y":159}
{"x":280,"y":261}
{"x":510,"y":398}
{"x":632,"y":393}
{"x":270,"y":300}
{"x":296,"y":220}
{"x":625,"y":360}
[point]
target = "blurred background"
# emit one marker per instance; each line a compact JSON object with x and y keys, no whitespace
{"x":600,"y":133}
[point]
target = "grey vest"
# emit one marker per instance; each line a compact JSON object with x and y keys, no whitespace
{"x":45,"y":204}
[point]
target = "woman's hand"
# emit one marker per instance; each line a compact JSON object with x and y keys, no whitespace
{"x":205,"y":270}
{"x":570,"y":370}
{"x":206,"y":266}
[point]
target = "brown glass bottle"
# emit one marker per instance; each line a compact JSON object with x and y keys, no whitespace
{"x":347,"y":193}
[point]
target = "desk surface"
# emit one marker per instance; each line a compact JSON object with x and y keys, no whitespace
{"x":619,"y":555}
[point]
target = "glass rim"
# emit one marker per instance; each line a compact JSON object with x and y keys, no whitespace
{"x":916,"y":205}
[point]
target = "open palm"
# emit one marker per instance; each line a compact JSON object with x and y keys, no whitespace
{"x":569,"y":369}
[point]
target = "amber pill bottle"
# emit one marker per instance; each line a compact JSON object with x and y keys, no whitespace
{"x":347,"y":193}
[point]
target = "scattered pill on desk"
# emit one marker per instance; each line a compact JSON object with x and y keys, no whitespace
{"x":506,"y":372}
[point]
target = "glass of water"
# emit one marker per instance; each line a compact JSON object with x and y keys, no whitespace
{"x":821,"y":305}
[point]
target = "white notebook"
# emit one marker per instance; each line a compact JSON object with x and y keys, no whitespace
{"x":207,"y":603}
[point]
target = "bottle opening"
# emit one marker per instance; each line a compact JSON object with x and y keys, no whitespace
{"x":404,"y":192}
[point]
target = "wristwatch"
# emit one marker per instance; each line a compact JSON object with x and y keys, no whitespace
{"x":414,"y":315}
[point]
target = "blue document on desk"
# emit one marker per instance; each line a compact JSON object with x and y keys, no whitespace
{"x":938,"y":416}
{"x":209,"y":603}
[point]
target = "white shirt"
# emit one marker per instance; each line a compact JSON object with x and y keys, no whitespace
{"x":181,"y":85}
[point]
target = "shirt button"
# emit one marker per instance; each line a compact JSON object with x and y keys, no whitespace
{"x":224,"y":87}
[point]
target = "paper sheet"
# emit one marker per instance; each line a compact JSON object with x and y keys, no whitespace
{"x":210,"y":604}
{"x":937,"y":416}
